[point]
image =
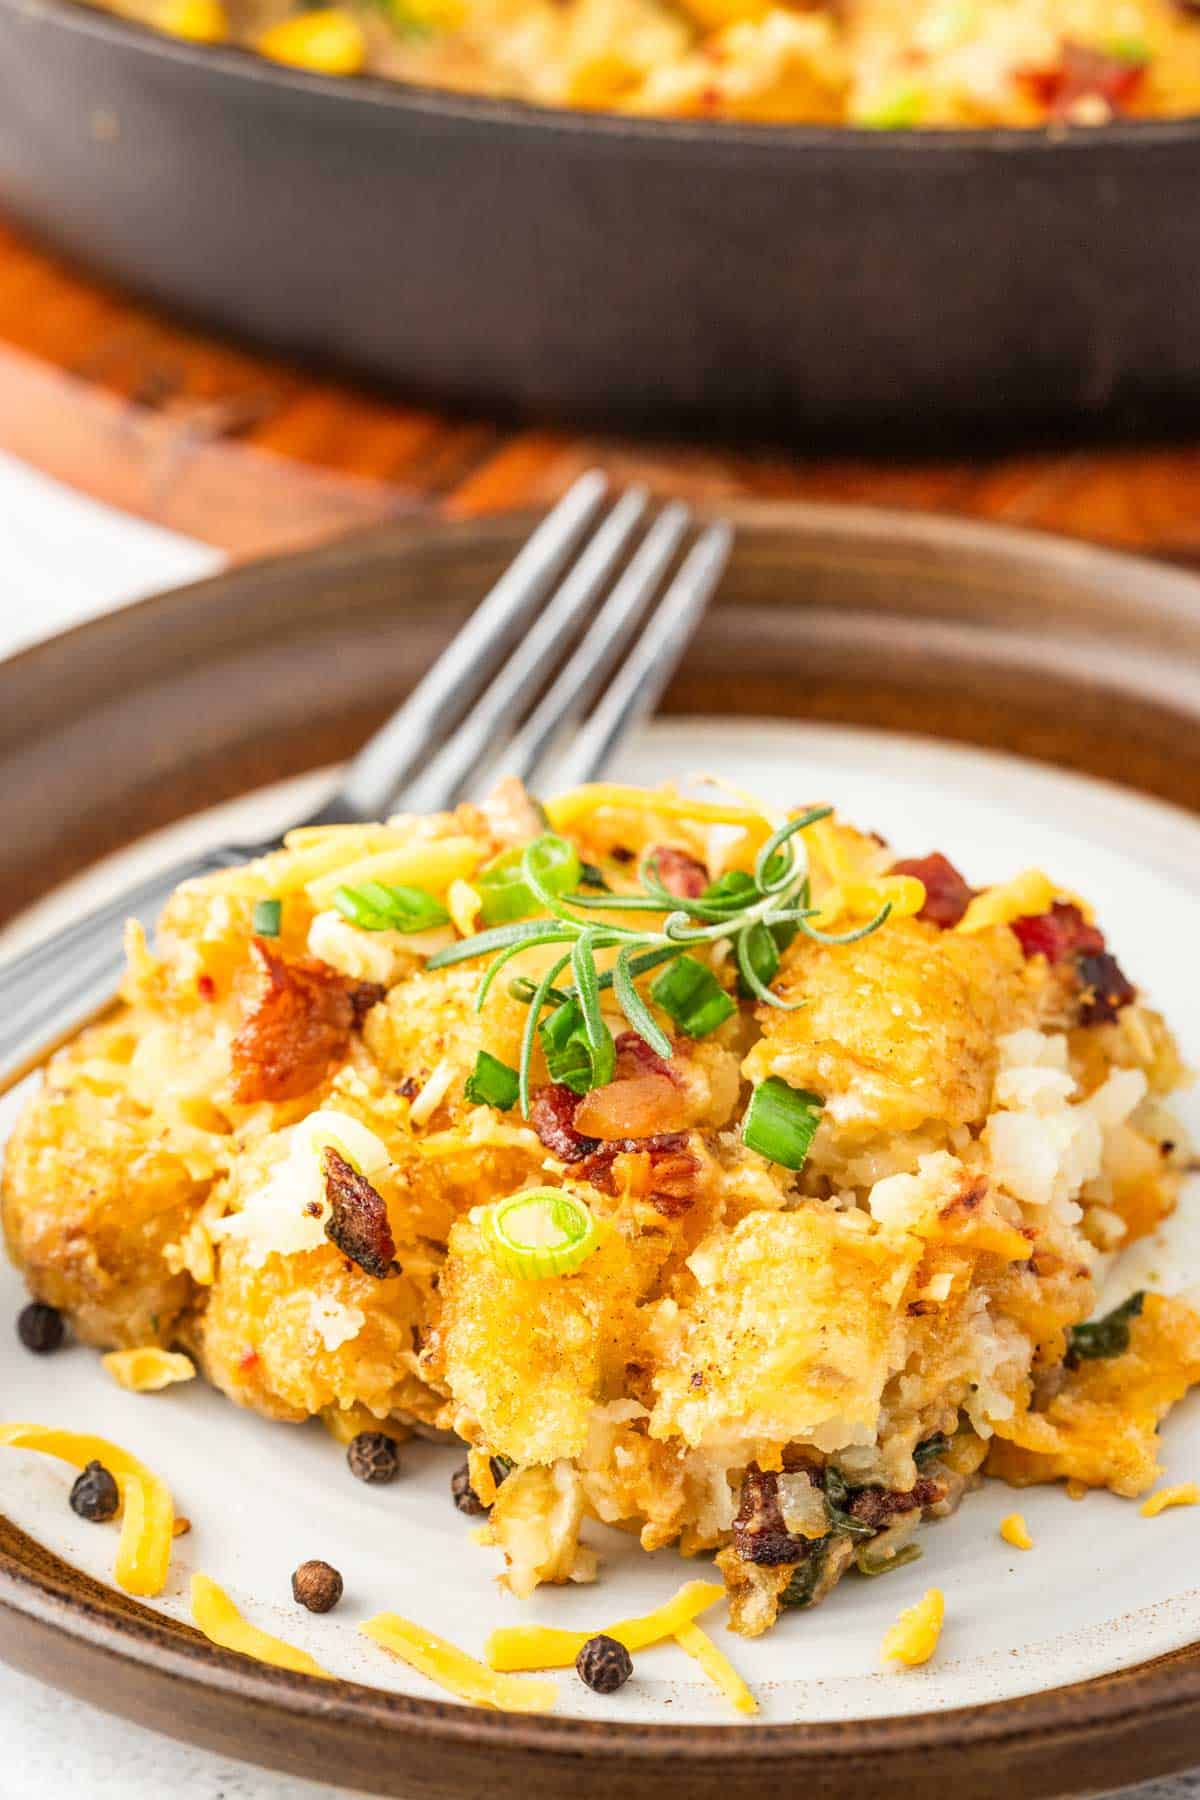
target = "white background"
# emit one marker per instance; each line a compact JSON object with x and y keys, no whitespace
{"x":66,"y":558}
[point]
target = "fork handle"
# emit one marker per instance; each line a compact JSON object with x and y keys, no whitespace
{"x":50,"y":991}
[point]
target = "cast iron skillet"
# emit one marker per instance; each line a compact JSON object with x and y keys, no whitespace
{"x":1067,"y":654}
{"x":788,"y":282}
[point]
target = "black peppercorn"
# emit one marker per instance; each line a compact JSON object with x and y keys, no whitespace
{"x":465,"y":1497}
{"x":604,"y":1664}
{"x":316,"y":1585}
{"x":95,"y":1495}
{"x":372,"y":1457}
{"x":40,"y":1327}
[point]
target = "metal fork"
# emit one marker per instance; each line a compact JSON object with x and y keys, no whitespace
{"x":581,"y":562}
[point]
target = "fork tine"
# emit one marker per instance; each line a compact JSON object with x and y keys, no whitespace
{"x":144,"y":899}
{"x":447,"y":776}
{"x":585,"y":671}
{"x":391,"y":757}
{"x":638,"y":683}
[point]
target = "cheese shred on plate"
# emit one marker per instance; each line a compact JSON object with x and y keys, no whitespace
{"x":913,"y":1638}
{"x":455,"y":1671}
{"x":716,"y":1666}
{"x":148,"y":1370}
{"x":1185,"y":1494}
{"x":148,"y":1512}
{"x":1014,"y":1531}
{"x":222,"y":1624}
{"x":544,"y":1647}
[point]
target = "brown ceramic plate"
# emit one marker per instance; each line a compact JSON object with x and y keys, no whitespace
{"x":1068,"y":655}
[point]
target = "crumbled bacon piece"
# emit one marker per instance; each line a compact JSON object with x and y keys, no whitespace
{"x":363,"y":996}
{"x":1085,"y":73}
{"x":947,"y":894}
{"x":759,"y":1533}
{"x":673,"y":1169}
{"x":879,"y":1506}
{"x":635,"y":1057}
{"x":681,"y":874}
{"x":552,"y":1115}
{"x":1106,"y":988}
{"x":296,"y":1025}
{"x":358,"y":1220}
{"x":1061,"y":933}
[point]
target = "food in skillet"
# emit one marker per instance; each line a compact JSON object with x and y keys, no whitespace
{"x":715,"y":1176}
{"x":877,"y":63}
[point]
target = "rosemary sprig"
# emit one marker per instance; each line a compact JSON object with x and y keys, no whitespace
{"x":756,"y":914}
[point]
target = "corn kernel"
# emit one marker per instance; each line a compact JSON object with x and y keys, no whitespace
{"x":329,"y":42}
{"x":199,"y":21}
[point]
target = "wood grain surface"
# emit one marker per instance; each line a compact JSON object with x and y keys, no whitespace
{"x":253,"y":456}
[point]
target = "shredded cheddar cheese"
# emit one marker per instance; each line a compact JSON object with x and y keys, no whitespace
{"x":1186,"y":1493}
{"x":1029,"y":893}
{"x":903,"y":894}
{"x":913,"y":1638}
{"x":434,"y":863}
{"x":545,"y":1647}
{"x":454,"y":1670}
{"x":464,"y":903}
{"x":148,"y":1370}
{"x":148,"y":1512}
{"x":716,"y":1666}
{"x":1014,"y":1531}
{"x":222,"y":1624}
{"x":566,"y":810}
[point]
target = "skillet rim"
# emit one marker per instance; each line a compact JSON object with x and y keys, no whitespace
{"x":375,"y":95}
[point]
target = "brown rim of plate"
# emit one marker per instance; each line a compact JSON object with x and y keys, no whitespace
{"x":1076,"y":656}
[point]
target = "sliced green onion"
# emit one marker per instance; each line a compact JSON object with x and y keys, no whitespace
{"x":570,"y":1058}
{"x":1108,"y":1336}
{"x":504,"y":892}
{"x":592,"y":876}
{"x":538,"y":1233}
{"x":781,"y":1122}
{"x":930,"y":1448}
{"x":492,"y":1083}
{"x":692,"y":996}
{"x":267,"y":918}
{"x":1130,"y":49}
{"x":900,"y":106}
{"x":732,"y":892}
{"x":374,"y":907}
{"x":805,"y":1577}
{"x":866,"y":1564}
